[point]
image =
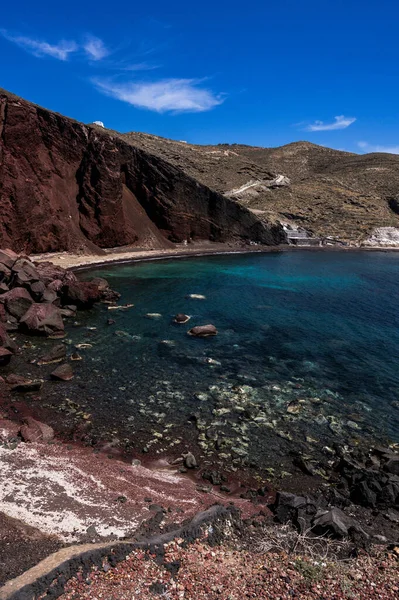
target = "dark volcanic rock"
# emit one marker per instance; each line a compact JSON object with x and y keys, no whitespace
{"x":56,"y":354}
{"x":334,"y":523}
{"x":42,"y":319}
{"x":5,"y":357}
{"x":203,"y":331}
{"x":17,"y":301}
{"x":83,"y":294}
{"x":286,"y":507}
{"x":6,"y":341}
{"x":20,"y":384}
{"x":181,"y":318}
{"x":8,"y":258}
{"x":63,"y":373}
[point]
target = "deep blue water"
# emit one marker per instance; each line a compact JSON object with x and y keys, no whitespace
{"x":308,"y":347}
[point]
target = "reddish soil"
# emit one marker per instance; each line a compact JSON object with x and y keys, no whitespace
{"x":203,"y":573}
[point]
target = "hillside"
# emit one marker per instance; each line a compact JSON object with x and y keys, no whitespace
{"x":330,"y":193}
{"x":68,"y":186}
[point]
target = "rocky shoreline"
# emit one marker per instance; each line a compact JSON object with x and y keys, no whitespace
{"x":358,"y":496}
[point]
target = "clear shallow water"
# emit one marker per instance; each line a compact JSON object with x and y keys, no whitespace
{"x":307,"y":354}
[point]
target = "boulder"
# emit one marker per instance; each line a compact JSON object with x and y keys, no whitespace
{"x":392,"y":465}
{"x":190,"y":461}
{"x":5,"y":357}
{"x":62,"y":373}
{"x":20,"y":384}
{"x":181,"y":318}
{"x":56,"y":354}
{"x":6,"y":341}
{"x":286,"y":507}
{"x":51,"y":297}
{"x":37,"y":289}
{"x":55,"y":286}
{"x":4,"y":288}
{"x":42,"y":319}
{"x":35,"y":431}
{"x":334,"y":523}
{"x":83,"y":294}
{"x":24,"y":272}
{"x":203,"y":331}
{"x":49,"y":272}
{"x":17,"y":301}
{"x":102,"y":284}
{"x":8,"y":257}
{"x":5,"y":274}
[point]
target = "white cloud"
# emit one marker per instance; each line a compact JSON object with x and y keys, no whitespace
{"x":167,"y":95}
{"x":371,"y":148}
{"x":340,"y":122}
{"x":95,"y":48}
{"x":39,"y":48}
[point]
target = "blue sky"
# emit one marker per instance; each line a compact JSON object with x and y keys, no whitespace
{"x":255,"y":72}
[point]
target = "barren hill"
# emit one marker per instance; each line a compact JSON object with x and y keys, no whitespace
{"x":329,"y":192}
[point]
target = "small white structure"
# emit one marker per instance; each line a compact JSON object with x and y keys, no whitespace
{"x":99,"y":123}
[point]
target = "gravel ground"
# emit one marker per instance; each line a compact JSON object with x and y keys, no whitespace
{"x":200,"y":572}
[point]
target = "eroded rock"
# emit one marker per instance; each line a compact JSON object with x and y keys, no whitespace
{"x":63,"y":373}
{"x":202,"y":331}
{"x":35,"y":431}
{"x":42,"y":319}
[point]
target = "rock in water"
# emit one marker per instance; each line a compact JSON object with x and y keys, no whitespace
{"x":62,"y":373}
{"x":56,"y":354}
{"x":181,"y":318}
{"x":20,"y":384}
{"x":203,"y":331}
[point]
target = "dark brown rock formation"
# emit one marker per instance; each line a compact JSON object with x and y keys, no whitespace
{"x":203,"y":331}
{"x":67,"y":186}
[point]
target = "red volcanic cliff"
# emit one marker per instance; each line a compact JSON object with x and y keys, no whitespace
{"x":68,"y":186}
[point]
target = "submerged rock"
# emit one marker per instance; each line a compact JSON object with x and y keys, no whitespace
{"x":63,"y":373}
{"x":181,"y":318}
{"x":203,"y":331}
{"x":18,"y":383}
{"x":56,"y":354}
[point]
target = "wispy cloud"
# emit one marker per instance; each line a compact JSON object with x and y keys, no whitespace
{"x":366,"y":147}
{"x":61,"y":50}
{"x":340,"y":122}
{"x":95,"y":48}
{"x":167,"y":95}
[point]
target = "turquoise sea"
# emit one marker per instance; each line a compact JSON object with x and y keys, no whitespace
{"x":307,"y":354}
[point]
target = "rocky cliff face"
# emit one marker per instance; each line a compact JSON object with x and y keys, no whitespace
{"x":326,"y":191}
{"x":67,"y":186}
